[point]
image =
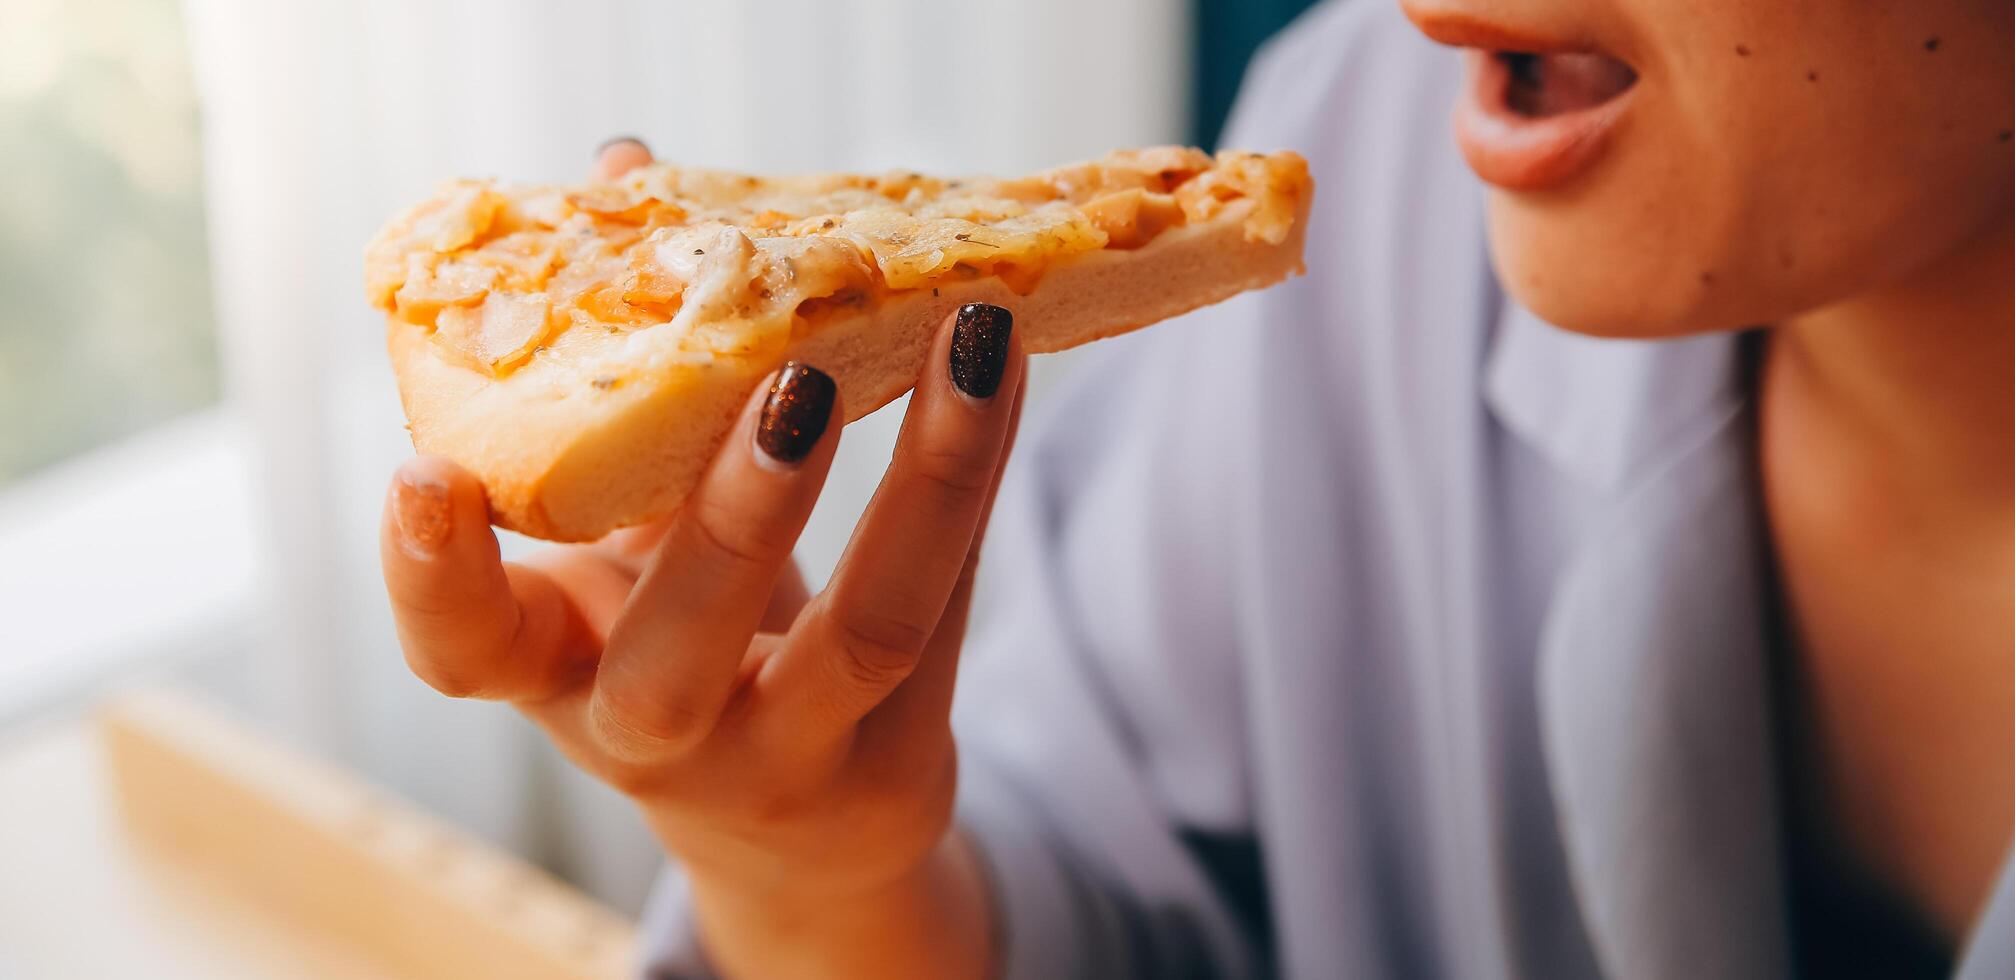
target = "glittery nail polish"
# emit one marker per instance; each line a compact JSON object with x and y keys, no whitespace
{"x":425,"y":518}
{"x":795,"y":416}
{"x":980,"y":347}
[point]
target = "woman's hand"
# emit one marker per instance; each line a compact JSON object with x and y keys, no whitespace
{"x":793,"y":752}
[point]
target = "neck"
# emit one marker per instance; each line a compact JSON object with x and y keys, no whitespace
{"x":1921,"y":375}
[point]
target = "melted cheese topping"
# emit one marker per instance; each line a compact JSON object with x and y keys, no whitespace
{"x":716,"y":264}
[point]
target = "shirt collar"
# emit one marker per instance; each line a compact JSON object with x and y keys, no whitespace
{"x":1605,"y":410}
{"x":1653,"y":683}
{"x":1609,"y":412}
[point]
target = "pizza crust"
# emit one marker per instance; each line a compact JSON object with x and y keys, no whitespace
{"x":573,"y":462}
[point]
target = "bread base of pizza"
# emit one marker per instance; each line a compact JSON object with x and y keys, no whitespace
{"x":573,"y":438}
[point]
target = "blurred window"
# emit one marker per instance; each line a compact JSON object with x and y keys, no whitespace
{"x":105,"y":314}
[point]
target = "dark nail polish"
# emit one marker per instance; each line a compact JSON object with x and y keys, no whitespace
{"x":980,"y":348}
{"x":794,"y":417}
{"x":618,"y":140}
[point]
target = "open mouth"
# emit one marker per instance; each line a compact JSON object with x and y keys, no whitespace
{"x":1543,"y":85}
{"x":1544,"y":100}
{"x":1532,"y":121}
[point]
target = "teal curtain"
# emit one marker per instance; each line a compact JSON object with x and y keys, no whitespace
{"x":1227,"y":32}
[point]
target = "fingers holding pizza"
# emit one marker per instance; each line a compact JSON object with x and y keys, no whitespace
{"x":658,"y":344}
{"x":780,"y":746}
{"x":811,"y":764}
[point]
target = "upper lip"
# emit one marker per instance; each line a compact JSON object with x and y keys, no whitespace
{"x":1457,"y":28}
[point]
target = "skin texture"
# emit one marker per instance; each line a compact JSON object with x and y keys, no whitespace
{"x":1840,"y":172}
{"x":1889,"y":480}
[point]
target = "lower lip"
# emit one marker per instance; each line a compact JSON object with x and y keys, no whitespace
{"x":1518,"y":152}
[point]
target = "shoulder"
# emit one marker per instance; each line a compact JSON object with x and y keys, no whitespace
{"x":1397,"y":277}
{"x":1360,"y":92}
{"x":1396,"y":258}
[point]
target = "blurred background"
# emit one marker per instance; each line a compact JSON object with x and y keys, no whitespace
{"x":196,"y":417}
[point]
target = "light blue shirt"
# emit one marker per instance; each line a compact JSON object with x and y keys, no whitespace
{"x":1369,"y":627}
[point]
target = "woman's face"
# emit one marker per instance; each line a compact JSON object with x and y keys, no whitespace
{"x":1664,"y":167}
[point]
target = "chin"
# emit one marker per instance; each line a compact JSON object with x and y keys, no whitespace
{"x":1611,"y":279}
{"x":1569,"y":275}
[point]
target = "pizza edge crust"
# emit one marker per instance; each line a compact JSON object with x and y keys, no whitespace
{"x":574,"y":465}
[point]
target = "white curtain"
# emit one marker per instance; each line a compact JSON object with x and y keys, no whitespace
{"x":320,"y":119}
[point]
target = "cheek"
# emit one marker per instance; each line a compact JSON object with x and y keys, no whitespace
{"x":1651,"y":248}
{"x":1646,"y":247}
{"x":1783,"y":180}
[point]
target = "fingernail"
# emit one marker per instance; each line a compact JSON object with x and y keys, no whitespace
{"x":420,"y":505}
{"x":618,"y":141}
{"x":980,"y":348}
{"x":794,"y":417}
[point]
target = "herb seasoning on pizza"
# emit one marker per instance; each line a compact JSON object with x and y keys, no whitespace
{"x":583,"y":350}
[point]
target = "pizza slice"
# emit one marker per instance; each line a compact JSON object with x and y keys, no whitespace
{"x":584,"y":350}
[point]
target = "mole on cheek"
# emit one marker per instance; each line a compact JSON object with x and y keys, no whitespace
{"x":1742,"y":50}
{"x":1706,"y":277}
{"x":1811,"y":76}
{"x":1931,"y":44}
